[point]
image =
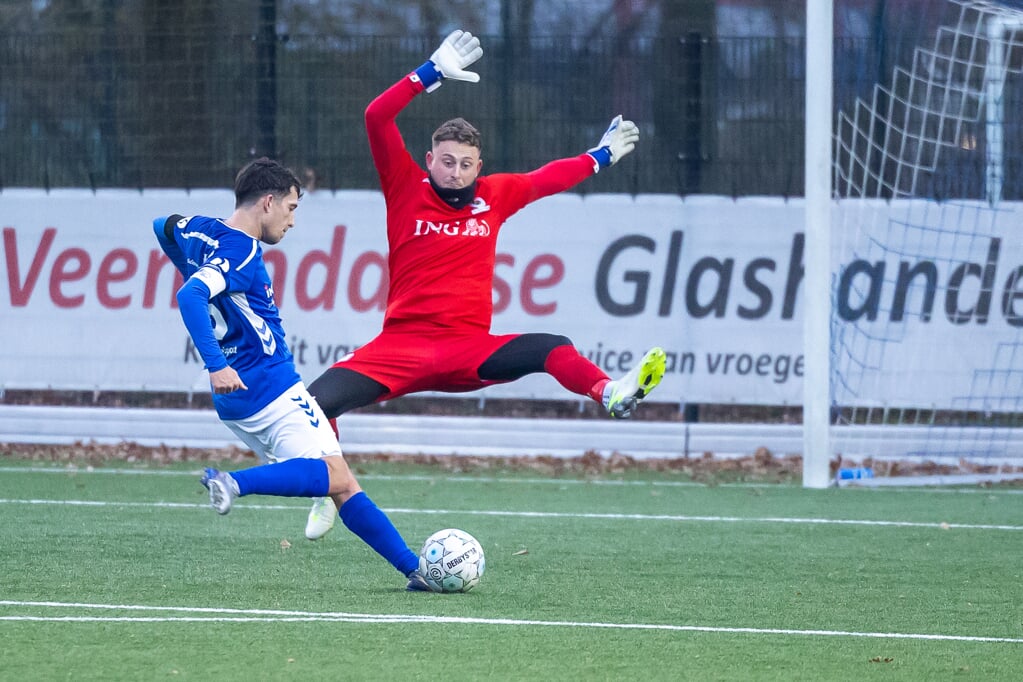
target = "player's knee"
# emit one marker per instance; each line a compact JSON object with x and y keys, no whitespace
{"x":559,"y":340}
{"x":342,"y":480}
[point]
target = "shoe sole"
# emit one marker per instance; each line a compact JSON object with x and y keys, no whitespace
{"x":218,"y":495}
{"x":316,"y":534}
{"x":653,"y":368}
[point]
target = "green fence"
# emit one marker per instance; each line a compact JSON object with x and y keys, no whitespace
{"x":100,"y":108}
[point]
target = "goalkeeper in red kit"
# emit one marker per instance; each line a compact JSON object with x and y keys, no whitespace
{"x":442,"y":228}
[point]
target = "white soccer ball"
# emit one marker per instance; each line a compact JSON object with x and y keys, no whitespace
{"x":451,"y":561}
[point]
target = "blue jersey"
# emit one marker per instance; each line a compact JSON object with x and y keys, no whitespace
{"x":227,"y":305}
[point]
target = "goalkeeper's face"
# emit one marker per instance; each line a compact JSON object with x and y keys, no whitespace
{"x":453,"y":165}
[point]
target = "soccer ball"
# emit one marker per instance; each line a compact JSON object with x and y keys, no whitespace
{"x":451,"y":561}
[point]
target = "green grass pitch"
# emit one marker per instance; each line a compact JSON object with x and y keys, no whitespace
{"x":124,"y":573}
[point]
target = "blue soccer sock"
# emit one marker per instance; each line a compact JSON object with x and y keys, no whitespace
{"x":298,"y":477}
{"x":361,"y":516}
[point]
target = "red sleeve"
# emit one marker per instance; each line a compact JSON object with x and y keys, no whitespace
{"x":557,"y":176}
{"x":390,"y":156}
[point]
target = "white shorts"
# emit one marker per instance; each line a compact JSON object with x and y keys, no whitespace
{"x":292,"y":426}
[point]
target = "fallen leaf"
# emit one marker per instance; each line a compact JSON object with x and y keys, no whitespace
{"x":285,"y":544}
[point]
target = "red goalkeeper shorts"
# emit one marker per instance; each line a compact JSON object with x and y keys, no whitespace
{"x":409,"y":360}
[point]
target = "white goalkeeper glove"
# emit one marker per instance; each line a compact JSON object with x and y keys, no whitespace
{"x":619,"y":139}
{"x":459,"y":50}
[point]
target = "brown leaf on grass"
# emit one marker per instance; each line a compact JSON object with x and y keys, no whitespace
{"x":878,"y":659}
{"x":285,"y":544}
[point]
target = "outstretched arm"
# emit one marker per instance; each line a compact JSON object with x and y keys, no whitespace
{"x":557,"y":176}
{"x":459,"y":50}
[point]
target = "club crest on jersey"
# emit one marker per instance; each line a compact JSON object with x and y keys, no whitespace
{"x":470,"y":228}
{"x":479,"y":206}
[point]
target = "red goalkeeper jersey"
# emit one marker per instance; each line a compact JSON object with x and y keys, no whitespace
{"x":441,"y":258}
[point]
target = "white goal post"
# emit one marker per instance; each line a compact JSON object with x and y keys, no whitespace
{"x":817,"y":282}
{"x":913,"y":275}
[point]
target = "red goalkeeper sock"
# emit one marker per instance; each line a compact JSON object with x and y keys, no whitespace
{"x":575,"y":372}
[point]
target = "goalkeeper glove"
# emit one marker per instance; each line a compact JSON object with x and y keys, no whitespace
{"x":619,"y":139}
{"x":459,"y":50}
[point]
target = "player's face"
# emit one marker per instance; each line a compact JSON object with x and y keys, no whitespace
{"x":453,"y":165}
{"x":279,"y":216}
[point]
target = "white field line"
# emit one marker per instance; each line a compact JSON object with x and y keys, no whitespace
{"x":547,"y":515}
{"x":221,"y":615}
{"x":75,"y":470}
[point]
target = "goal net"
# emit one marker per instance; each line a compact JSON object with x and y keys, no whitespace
{"x":926,"y":361}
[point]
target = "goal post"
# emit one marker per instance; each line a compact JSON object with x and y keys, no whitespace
{"x":817,"y":207}
{"x":914,"y":259}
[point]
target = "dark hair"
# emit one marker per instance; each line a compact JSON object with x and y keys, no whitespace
{"x":459,"y":130}
{"x":261,"y":177}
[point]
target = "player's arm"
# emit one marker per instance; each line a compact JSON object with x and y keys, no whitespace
{"x":459,"y":50}
{"x":557,"y":176}
{"x":194,"y":303}
{"x":163,"y":228}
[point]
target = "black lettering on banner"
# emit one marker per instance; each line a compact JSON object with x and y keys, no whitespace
{"x":191,"y":354}
{"x":719,"y":300}
{"x":796,"y":271}
{"x":757,"y":288}
{"x":987,"y":282}
{"x":906,"y":276}
{"x":1011,"y":295}
{"x":639,"y":278}
{"x":780,"y":367}
{"x":670,"y":273}
{"x":869,"y":295}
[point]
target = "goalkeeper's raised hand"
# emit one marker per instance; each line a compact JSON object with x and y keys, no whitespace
{"x":458,"y":51}
{"x":619,"y":139}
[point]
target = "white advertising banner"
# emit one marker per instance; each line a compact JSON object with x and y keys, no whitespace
{"x":88,"y":298}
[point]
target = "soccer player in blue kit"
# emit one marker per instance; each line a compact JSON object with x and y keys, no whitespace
{"x":227,"y":305}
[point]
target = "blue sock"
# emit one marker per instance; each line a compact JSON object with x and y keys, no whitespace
{"x":299,"y":477}
{"x":361,"y":515}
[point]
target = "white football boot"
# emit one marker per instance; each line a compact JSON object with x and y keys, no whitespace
{"x":321,"y":518}
{"x":223,"y":489}
{"x":621,"y":396}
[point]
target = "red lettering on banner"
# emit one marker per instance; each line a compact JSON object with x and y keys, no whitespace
{"x":108,"y":273}
{"x":71,"y":277}
{"x":22,"y":292}
{"x":378,"y":299}
{"x":531,"y":281}
{"x":158,"y":260}
{"x":71,"y":265}
{"x":332,"y":262}
{"x":277,"y":267}
{"x":502,"y":293}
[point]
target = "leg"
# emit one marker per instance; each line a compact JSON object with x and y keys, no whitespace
{"x":362,"y":516}
{"x":557,"y":356}
{"x":326,"y":476}
{"x":310,"y":464}
{"x":550,"y":353}
{"x":340,"y":389}
{"x":337,"y":391}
